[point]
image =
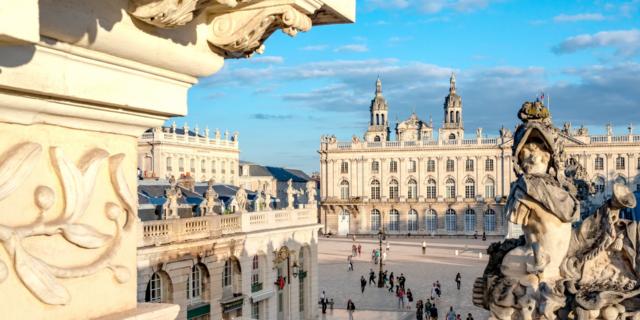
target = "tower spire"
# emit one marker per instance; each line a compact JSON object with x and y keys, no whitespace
{"x":378,"y":86}
{"x":452,"y":83}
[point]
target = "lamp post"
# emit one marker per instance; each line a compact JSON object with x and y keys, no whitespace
{"x":381,"y":236}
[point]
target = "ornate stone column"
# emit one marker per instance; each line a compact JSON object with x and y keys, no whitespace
{"x":80,"y":82}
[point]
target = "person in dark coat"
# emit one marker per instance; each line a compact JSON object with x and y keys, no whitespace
{"x":458,"y":280}
{"x":363,"y":283}
{"x":433,"y":312}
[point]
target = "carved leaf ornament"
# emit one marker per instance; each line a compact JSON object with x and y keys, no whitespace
{"x":78,"y":183}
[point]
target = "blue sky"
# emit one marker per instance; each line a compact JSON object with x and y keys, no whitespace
{"x":583,"y":54}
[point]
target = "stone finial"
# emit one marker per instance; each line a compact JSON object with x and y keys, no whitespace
{"x":185,"y":127}
{"x":217,"y":134}
{"x":226,"y":134}
{"x":235,"y":136}
{"x":196,"y":129}
{"x":206,"y":131}
{"x":173,"y":127}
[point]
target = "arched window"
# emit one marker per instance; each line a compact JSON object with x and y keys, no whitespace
{"x":375,"y":220}
{"x":450,"y":165}
{"x":154,"y":289}
{"x":638,"y":166}
{"x":431,"y":166}
{"x":489,"y":188}
{"x":393,"y":166}
{"x":194,"y":284}
{"x":375,"y":190}
{"x":490,"y":220}
{"x":393,"y":189}
{"x":469,"y":188}
{"x":203,"y":165}
{"x":412,"y":190}
{"x":450,"y":188}
{"x":412,"y":166}
{"x":192,"y":165}
{"x":377,"y":119}
{"x":458,"y":116}
{"x":375,"y":167}
{"x":452,"y":136}
{"x":231,"y":269}
{"x":431,"y":220}
{"x":223,"y":167}
{"x":344,"y":167}
{"x":255,"y":271}
{"x":599,"y":184}
{"x":181,"y":165}
{"x":431,"y":189}
{"x":450,"y":220}
{"x":394,"y":220}
{"x":412,"y":222}
{"x":621,"y":180}
{"x":382,"y":118}
{"x":620,"y":163}
{"x":344,"y":190}
{"x":469,"y":220}
{"x":599,"y":163}
{"x":468,"y":165}
{"x":488,"y":165}
{"x":169,"y":164}
{"x":376,"y":139}
{"x":451,"y":120}
{"x":213,"y":166}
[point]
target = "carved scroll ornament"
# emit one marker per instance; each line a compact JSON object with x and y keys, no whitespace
{"x":78,"y":182}
{"x":172,"y":13}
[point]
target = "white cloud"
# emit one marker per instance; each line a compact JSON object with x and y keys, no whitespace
{"x":430,"y":6}
{"x":626,"y":42}
{"x":352,"y":48}
{"x":578,"y":17}
{"x":388,"y":4}
{"x":267,"y":59}
{"x":319,"y":47}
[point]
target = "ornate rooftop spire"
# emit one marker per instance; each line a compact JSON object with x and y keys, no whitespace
{"x":452,"y":83}
{"x":378,"y":86}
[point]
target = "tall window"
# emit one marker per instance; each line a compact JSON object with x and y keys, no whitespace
{"x":169,"y":164}
{"x":412,"y":166}
{"x":450,"y":188}
{"x":412,"y":190}
{"x":233,"y":168}
{"x":344,"y":167}
{"x":393,"y":166}
{"x":181,"y":164}
{"x":375,"y":167}
{"x":431,"y":166}
{"x":431,"y":220}
{"x":255,"y":310}
{"x":344,"y":190}
{"x":255,"y":270}
{"x":301,"y":283}
{"x":192,"y":165}
{"x":394,"y":220}
{"x":469,"y":188}
{"x":393,"y":189}
{"x":489,"y":189}
{"x":469,"y":220}
{"x":194,"y":284}
{"x":450,"y":220}
{"x":599,"y":163}
{"x":227,"y":274}
{"x":638,"y":167}
{"x":375,"y":190}
{"x":431,"y":189}
{"x":599,"y":185}
{"x":213,"y":166}
{"x":412,"y":222}
{"x":468,"y":165}
{"x":154,"y":290}
{"x":203,"y":165}
{"x":488,"y":165}
{"x":489,"y":220}
{"x":223,"y":167}
{"x":450,"y":165}
{"x":375,"y":220}
{"x":619,"y":163}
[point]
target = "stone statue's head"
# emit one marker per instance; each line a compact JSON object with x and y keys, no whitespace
{"x":534,"y":157}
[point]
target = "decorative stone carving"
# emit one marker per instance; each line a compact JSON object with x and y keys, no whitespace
{"x":241,"y":200}
{"x":555,"y":271}
{"x":172,"y":13}
{"x":311,"y":192}
{"x":38,"y":275}
{"x":290,"y":194}
{"x":211,"y":199}
{"x":239,"y":34}
{"x":173,"y":193}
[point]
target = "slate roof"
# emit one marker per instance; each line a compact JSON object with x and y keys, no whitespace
{"x":280,"y":174}
{"x":178,"y":131}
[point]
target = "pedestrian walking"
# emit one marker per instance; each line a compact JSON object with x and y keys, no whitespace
{"x":363,"y":283}
{"x":354,"y":250}
{"x":424,"y":247}
{"x":484,"y":236}
{"x":469,"y":317}
{"x":458,"y":317}
{"x":475,"y":235}
{"x":419,"y":310}
{"x":359,"y":249}
{"x":400,"y":294}
{"x":351,"y":307}
{"x":391,"y":282}
{"x":373,"y":255}
{"x":384,"y":257}
{"x":323,"y":302}
{"x":349,"y":263}
{"x":372,"y":277}
{"x":458,"y":280}
{"x":409,"y":298}
{"x":438,"y":288}
{"x":451,"y":315}
{"x":434,"y":291}
{"x":387,"y":245}
{"x":433,"y":312}
{"x":401,"y":280}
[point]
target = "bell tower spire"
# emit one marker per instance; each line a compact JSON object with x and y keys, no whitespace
{"x":452,"y":83}
{"x":453,"y":128}
{"x":379,"y":120}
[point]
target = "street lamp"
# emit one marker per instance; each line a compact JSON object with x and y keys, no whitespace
{"x":381,"y":236}
{"x":295,"y":269}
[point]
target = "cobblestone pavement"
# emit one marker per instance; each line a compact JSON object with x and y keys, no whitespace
{"x":405,"y":256}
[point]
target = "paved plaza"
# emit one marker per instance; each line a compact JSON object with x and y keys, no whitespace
{"x":405,"y":256}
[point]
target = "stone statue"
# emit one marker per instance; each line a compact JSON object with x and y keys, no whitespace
{"x":211,"y":199}
{"x":583,"y":131}
{"x":290,"y":194}
{"x":566,"y":128}
{"x":505,"y":133}
{"x":241,"y":199}
{"x":555,"y":271}
{"x":355,"y":139}
{"x":479,"y":133}
{"x":609,"y":129}
{"x":311,"y":192}
{"x":173,"y":193}
{"x":267,"y":196}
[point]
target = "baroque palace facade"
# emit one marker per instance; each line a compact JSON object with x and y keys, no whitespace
{"x":446,"y":183}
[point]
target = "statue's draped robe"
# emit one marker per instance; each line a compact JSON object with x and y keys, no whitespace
{"x":548,"y":193}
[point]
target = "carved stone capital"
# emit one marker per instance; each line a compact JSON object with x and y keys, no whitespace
{"x":239,"y":34}
{"x":172,"y":13}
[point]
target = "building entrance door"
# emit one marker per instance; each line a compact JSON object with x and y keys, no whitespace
{"x":343,"y":223}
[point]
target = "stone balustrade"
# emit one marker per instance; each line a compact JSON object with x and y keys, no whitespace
{"x":184,"y":139}
{"x":159,"y":232}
